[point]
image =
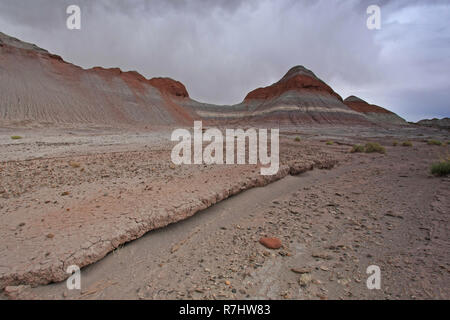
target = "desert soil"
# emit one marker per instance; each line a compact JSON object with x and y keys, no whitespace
{"x":369,"y":209}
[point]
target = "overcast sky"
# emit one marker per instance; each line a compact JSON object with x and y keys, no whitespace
{"x":222,"y":49}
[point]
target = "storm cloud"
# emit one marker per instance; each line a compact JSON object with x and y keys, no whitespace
{"x":223,"y":49}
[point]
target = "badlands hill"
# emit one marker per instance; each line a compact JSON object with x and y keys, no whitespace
{"x":373,"y":112}
{"x":443,"y":123}
{"x":299,"y":97}
{"x":38,"y":87}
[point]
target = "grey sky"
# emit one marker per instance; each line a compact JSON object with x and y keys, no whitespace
{"x":222,"y":49}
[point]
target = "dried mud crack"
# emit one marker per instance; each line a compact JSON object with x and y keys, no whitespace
{"x":92,"y":216}
{"x":369,"y":209}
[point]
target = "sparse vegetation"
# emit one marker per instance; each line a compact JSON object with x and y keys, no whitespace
{"x":357,"y":148}
{"x":374,"y":147}
{"x":441,"y":168}
{"x":74,"y":164}
{"x":329,"y":143}
{"x":297,"y":139}
{"x":395,"y":143}
{"x":370,"y":147}
{"x":16,"y":137}
{"x":407,"y":144}
{"x":434,"y":143}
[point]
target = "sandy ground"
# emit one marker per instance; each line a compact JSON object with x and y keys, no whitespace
{"x":371,"y":209}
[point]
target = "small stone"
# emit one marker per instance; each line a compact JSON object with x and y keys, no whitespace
{"x":301,"y":270}
{"x":271,"y":243}
{"x":305,"y":279}
{"x":50,"y":235}
{"x":322,"y":255}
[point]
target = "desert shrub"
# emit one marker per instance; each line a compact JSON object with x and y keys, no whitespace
{"x":374,"y":147}
{"x":16,"y":137}
{"x":329,"y":143}
{"x":441,"y":168}
{"x":395,"y":143}
{"x":407,"y":144}
{"x":297,"y":139}
{"x":434,"y":142}
{"x":357,"y":148}
{"x":74,"y":164}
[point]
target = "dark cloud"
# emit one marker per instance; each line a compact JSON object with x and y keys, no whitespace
{"x":222,"y":49}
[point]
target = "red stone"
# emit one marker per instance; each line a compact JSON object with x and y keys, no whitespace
{"x":271,"y":243}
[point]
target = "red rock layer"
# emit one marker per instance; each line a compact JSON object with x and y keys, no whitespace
{"x":170,"y":86}
{"x":360,"y":105}
{"x":299,"y":79}
{"x":135,"y":80}
{"x":41,"y":87}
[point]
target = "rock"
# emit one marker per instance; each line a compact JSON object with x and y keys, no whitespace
{"x":301,"y":270}
{"x":19,"y":292}
{"x":305,"y":279}
{"x":270,"y":243}
{"x":322,"y":255}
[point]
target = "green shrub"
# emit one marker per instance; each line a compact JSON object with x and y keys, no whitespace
{"x":297,"y":139}
{"x":434,"y":143}
{"x":441,"y":168}
{"x":407,"y":144}
{"x":395,"y":143}
{"x":370,"y":147}
{"x":374,"y":147}
{"x":16,"y":137}
{"x":329,"y":143}
{"x":357,"y":148}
